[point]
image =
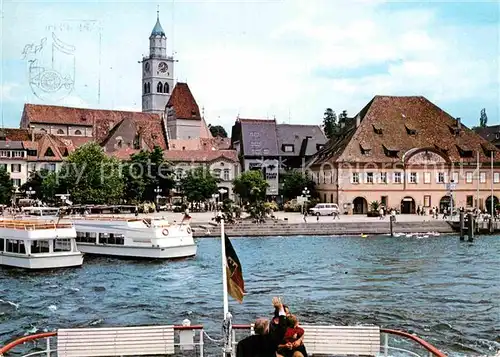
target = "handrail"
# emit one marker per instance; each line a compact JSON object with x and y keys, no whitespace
{"x":24,"y":339}
{"x":32,"y":225}
{"x":421,"y":342}
{"x":416,"y":339}
{"x":37,"y":336}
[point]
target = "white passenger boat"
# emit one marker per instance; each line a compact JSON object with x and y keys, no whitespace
{"x":134,"y":237}
{"x":37,"y":244}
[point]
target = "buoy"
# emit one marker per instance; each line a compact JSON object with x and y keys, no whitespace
{"x":363,"y":235}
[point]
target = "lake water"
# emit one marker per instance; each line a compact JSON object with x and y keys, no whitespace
{"x":444,"y":290}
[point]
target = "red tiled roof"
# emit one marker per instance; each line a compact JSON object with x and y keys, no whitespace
{"x":183,"y":102}
{"x":200,"y":144}
{"x":15,"y":134}
{"x":200,"y":155}
{"x":124,"y":153}
{"x":395,"y":115}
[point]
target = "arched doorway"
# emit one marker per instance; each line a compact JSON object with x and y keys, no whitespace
{"x":445,"y":202}
{"x":488,"y":203}
{"x":407,"y":205}
{"x":360,"y":206}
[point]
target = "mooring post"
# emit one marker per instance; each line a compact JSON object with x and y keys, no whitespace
{"x":470,"y":232}
{"x":462,"y":225}
{"x":391,"y":220}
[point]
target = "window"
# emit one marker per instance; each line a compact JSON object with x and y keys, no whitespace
{"x":111,"y":238}
{"x":470,"y":201}
{"x":468,"y":177}
{"x":49,"y":152}
{"x":15,"y":246}
{"x":496,"y":177}
{"x":18,"y":154}
{"x":383,"y":177}
{"x":377,"y":130}
{"x":440,"y":177}
{"x":40,"y":246}
{"x":454,"y":177}
{"x":178,"y":174}
{"x":369,"y":177}
{"x":482,"y":177}
{"x":411,"y":131}
{"x":16,"y":182}
{"x":149,"y":87}
{"x":331,"y":197}
{"x":145,"y":88}
{"x":86,"y":237}
{"x":427,"y":201}
{"x":60,"y":132}
{"x":4,"y":153}
{"x":397,"y":177}
{"x":427,"y":177}
{"x":226,"y":175}
{"x":50,"y":167}
{"x":2,"y":244}
{"x":288,"y":148}
{"x":159,"y":88}
{"x":217,"y":173}
{"x":384,"y":200}
{"x":32,"y":152}
{"x":31,"y":167}
{"x":166,"y":88}
{"x":15,"y":167}
{"x":355,"y":177}
{"x":62,"y":245}
{"x":413,"y":177}
{"x":78,"y":132}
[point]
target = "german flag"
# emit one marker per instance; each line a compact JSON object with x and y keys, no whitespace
{"x":235,"y":283}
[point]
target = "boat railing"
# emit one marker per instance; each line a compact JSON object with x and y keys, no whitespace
{"x":33,"y":225}
{"x":191,"y":338}
{"x":403,"y":343}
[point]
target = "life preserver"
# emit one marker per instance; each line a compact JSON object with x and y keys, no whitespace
{"x":165,"y":232}
{"x":189,"y":230}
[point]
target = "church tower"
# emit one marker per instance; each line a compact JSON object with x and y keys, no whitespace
{"x":157,"y":72}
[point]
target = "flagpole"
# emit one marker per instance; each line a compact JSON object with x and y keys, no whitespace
{"x":478,"y":179}
{"x":224,"y":272}
{"x":492,"y":212}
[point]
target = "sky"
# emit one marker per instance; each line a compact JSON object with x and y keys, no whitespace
{"x":256,"y":59}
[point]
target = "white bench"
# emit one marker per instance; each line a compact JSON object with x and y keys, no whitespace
{"x":116,"y":341}
{"x":342,"y":340}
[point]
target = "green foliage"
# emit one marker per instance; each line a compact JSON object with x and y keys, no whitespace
{"x":198,"y":185}
{"x":483,"y":119}
{"x":329,"y":123}
{"x":92,"y":177}
{"x":251,"y":186}
{"x":45,"y":184}
{"x":35,"y":181}
{"x":375,"y":206}
{"x":218,"y":131}
{"x":294,"y":183}
{"x":6,"y":187}
{"x":146,"y":171}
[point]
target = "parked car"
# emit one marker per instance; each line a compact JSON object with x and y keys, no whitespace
{"x":324,"y":209}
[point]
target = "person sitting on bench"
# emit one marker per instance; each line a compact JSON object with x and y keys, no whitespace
{"x":264,"y":343}
{"x":292,"y":345}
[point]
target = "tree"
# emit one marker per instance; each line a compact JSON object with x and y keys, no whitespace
{"x":44,"y":183}
{"x":218,"y":131}
{"x":92,"y":177}
{"x":146,"y":171}
{"x":294,"y":183}
{"x":483,"y":120}
{"x":198,"y":185}
{"x":251,"y":186}
{"x":330,"y":123}
{"x":6,"y":187}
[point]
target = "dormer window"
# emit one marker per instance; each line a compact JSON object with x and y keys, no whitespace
{"x":49,"y":152}
{"x":488,"y":151}
{"x":442,"y":150}
{"x":288,"y":148}
{"x":410,"y":131}
{"x":465,"y":151}
{"x":365,"y":149}
{"x":497,"y":136}
{"x":390,"y":151}
{"x":137,"y":141}
{"x":455,"y":130}
{"x":378,"y":130}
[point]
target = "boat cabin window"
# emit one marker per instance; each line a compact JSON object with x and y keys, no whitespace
{"x":40,"y":246}
{"x":62,"y":245}
{"x":85,"y":237}
{"x":2,"y":244}
{"x":15,"y":246}
{"x":111,"y":238}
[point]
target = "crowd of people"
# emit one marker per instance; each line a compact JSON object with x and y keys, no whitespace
{"x":281,"y":336}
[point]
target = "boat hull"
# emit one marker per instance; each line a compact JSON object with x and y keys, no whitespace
{"x":174,"y":252}
{"x":70,"y":259}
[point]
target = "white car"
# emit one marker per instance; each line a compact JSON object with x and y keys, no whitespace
{"x":324,"y":209}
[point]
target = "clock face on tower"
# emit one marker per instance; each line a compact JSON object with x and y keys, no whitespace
{"x":163,"y":67}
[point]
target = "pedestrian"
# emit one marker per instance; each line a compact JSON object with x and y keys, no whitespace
{"x":317,"y":218}
{"x":381,"y":213}
{"x":305,"y":217}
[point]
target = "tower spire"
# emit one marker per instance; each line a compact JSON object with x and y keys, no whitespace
{"x":158,"y":12}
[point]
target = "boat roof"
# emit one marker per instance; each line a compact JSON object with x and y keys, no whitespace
{"x":32,"y":225}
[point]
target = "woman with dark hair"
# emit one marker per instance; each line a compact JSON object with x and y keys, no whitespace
{"x":295,"y":349}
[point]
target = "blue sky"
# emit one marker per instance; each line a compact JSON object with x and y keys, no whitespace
{"x":259,"y":59}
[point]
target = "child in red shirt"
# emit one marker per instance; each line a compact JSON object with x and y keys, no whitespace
{"x":292,"y":341}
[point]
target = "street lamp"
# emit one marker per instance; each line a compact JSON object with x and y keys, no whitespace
{"x":451,"y":187}
{"x":157,"y":190}
{"x":305,"y":193}
{"x":222,"y":191}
